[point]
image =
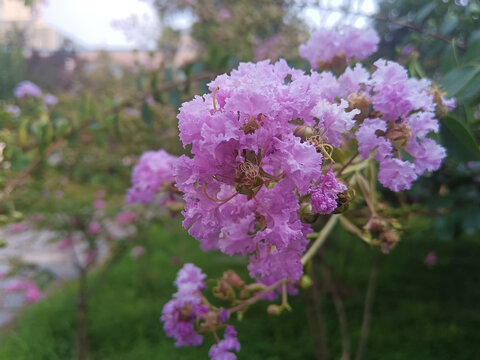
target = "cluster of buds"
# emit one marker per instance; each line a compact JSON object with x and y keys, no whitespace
{"x":387,"y":231}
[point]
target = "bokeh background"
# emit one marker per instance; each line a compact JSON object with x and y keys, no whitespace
{"x":119,"y":70}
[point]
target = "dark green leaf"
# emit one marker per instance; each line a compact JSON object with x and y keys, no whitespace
{"x":449,"y":58}
{"x":425,"y":11}
{"x":471,"y":90}
{"x":449,"y":24}
{"x":146,"y":115}
{"x":457,"y":79}
{"x":473,"y":52}
{"x":463,"y":135}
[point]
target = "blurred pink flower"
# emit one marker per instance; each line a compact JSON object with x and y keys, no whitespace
{"x":126,"y":217}
{"x":32,"y":292}
{"x":90,"y":256}
{"x":16,"y":228}
{"x":99,"y":204}
{"x":137,"y":251}
{"x":224,"y":14}
{"x":430,"y":259}
{"x":94,"y":227}
{"x":65,"y":243}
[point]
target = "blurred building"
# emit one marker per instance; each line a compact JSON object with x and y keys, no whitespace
{"x":15,"y":16}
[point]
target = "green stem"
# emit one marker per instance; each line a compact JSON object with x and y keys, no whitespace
{"x":322,"y":236}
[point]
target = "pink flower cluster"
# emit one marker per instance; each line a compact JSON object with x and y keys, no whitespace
{"x":179,"y":314}
{"x":326,"y":43}
{"x":154,"y":169}
{"x":405,"y":111}
{"x":32,"y":292}
{"x":242,"y":184}
{"x":186,"y":310}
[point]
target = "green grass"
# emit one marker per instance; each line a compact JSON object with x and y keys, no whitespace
{"x":418,"y":313}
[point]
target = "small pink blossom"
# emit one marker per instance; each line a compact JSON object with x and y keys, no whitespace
{"x":224,"y":14}
{"x":99,"y":204}
{"x":138,"y":251}
{"x":430,"y":259}
{"x":90,"y":256}
{"x":16,"y":228}
{"x":65,"y":243}
{"x":33,"y":293}
{"x":94,"y":228}
{"x":126,"y":217}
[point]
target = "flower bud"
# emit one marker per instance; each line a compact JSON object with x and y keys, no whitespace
{"x":175,"y":207}
{"x":304,"y":132}
{"x":399,"y":135}
{"x":306,"y":281}
{"x":274,"y":310}
{"x":305,"y":213}
{"x":360,"y":101}
{"x":388,"y":239}
{"x":232,"y":278}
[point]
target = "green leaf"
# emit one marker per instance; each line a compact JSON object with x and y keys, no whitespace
{"x":174,"y":98}
{"x":449,"y":59}
{"x":449,"y":24}
{"x":425,"y":11}
{"x":458,"y":79}
{"x":463,"y":135}
{"x":471,"y":90}
{"x":146,"y":115}
{"x":19,"y":160}
{"x":473,"y":52}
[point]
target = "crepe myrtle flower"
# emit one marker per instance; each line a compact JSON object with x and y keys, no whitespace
{"x":242,"y":183}
{"x":180,"y":313}
{"x":330,"y":45}
{"x":154,"y":170}
{"x":406,"y":114}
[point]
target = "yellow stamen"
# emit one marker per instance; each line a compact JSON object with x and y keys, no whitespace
{"x":214,"y":104}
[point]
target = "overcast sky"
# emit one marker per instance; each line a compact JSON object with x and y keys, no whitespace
{"x":89,"y":22}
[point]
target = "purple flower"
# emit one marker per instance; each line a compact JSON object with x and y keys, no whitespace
{"x":50,"y":99}
{"x":154,"y":169}
{"x":324,"y":194}
{"x":406,"y":111}
{"x":27,"y":88}
{"x":180,"y":313}
{"x":222,"y":350}
{"x":326,"y":43}
{"x":13,"y":109}
{"x":241,"y":185}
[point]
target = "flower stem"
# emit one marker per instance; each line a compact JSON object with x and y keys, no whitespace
{"x":322,"y":236}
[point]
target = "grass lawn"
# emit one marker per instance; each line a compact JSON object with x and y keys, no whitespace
{"x":419,"y":313}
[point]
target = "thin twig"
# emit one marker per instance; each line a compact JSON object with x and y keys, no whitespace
{"x":342,"y":317}
{"x":367,"y":311}
{"x":347,"y":163}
